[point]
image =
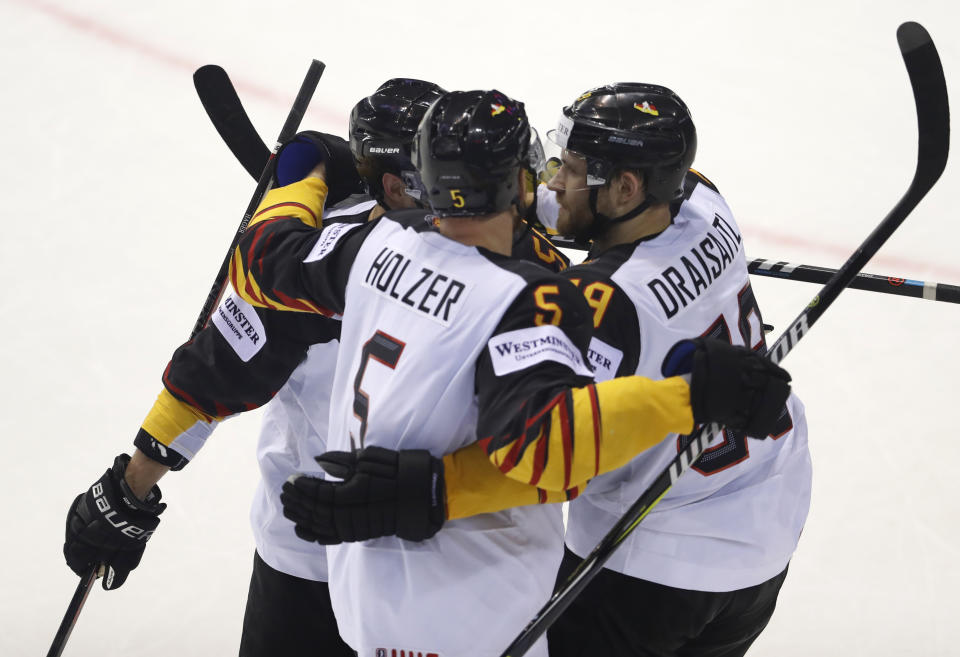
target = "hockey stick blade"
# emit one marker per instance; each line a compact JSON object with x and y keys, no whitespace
{"x":290,"y":126}
{"x":73,"y":612}
{"x":222,"y":104}
{"x":933,"y":120}
{"x":933,"y":144}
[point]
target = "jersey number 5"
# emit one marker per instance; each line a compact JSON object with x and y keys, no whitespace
{"x":384,"y":349}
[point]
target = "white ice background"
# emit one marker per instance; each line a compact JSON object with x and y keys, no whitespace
{"x":119,"y":201}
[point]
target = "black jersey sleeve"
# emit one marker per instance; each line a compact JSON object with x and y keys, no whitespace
{"x":244,"y":355}
{"x":283,"y":262}
{"x":536,"y":355}
{"x":208,"y":379}
{"x":541,"y":419}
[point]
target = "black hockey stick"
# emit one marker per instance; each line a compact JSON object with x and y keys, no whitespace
{"x":225,"y":110}
{"x":208,"y":77}
{"x":900,"y":286}
{"x":73,"y":612}
{"x":933,"y":120}
{"x":904,"y":287}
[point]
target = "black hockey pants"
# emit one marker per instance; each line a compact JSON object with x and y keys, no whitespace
{"x":622,"y":616}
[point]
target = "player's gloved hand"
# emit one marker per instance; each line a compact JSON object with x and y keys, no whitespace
{"x":734,"y":386}
{"x":307,"y":149}
{"x":383,"y":493}
{"x":108,"y":525}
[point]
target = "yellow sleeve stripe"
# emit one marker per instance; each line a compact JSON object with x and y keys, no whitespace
{"x":638,"y":413}
{"x":474,"y":485}
{"x":169,"y":418}
{"x":246,"y":286}
{"x":249,"y":289}
{"x":591,"y":430}
{"x":301,"y":200}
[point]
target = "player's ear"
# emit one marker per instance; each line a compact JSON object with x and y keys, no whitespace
{"x":630,"y":186}
{"x":393,"y":190}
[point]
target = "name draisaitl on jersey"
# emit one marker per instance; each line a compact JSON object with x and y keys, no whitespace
{"x":685,"y":280}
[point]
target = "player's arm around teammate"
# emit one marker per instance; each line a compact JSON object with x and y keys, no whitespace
{"x":236,"y":363}
{"x":550,"y":435}
{"x":282,"y":263}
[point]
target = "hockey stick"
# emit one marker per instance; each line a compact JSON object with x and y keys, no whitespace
{"x":871,"y":282}
{"x":933,"y":120}
{"x":207,"y":78}
{"x":226,"y":112}
{"x":73,"y":612}
{"x":904,"y":287}
{"x":211,"y":77}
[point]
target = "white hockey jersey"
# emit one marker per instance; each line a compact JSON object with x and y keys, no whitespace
{"x":295,"y":422}
{"x":734,"y":519}
{"x":432,"y":332}
{"x":408,"y":381}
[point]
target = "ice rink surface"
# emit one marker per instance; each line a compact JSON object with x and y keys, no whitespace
{"x":120,"y":202}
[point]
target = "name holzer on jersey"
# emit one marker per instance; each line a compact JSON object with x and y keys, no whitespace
{"x":684,"y":281}
{"x":424,"y":289}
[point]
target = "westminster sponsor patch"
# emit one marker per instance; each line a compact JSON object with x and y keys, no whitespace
{"x":604,"y":359}
{"x":240,"y":326}
{"x":523,"y":348}
{"x":328,"y":239}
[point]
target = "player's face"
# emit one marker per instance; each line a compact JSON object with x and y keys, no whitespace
{"x":573,"y":195}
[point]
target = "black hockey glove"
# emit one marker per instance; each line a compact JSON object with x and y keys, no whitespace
{"x":383,"y":493}
{"x":108,"y":525}
{"x":307,"y":149}
{"x":735,"y":386}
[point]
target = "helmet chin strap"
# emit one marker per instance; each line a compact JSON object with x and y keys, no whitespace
{"x":602,"y":223}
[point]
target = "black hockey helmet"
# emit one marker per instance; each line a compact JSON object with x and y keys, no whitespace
{"x":469,"y":149}
{"x":383,"y":125}
{"x":630,"y":125}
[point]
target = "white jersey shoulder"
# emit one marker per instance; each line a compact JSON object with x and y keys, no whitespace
{"x":733,"y":520}
{"x":690,"y":280}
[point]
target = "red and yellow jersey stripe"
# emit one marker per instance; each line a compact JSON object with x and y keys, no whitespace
{"x":583,"y":432}
{"x":301,"y":201}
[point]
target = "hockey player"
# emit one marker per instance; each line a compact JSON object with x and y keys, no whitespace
{"x":237,"y":363}
{"x":446,"y":339}
{"x":701,"y":574}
